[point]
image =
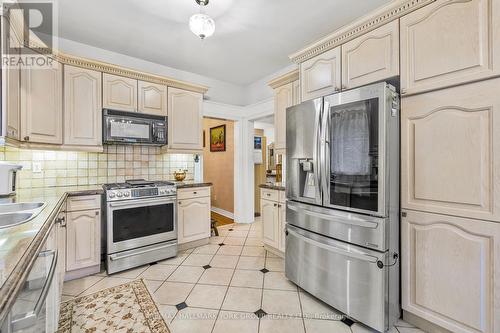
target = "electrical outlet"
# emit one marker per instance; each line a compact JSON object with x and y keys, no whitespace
{"x":36,"y":167}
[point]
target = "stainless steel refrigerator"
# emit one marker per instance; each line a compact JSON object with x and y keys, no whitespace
{"x":342,"y":188}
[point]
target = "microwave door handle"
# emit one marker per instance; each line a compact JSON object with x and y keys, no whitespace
{"x":30,"y":318}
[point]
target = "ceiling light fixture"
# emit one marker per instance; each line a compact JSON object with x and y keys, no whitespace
{"x":201,"y":24}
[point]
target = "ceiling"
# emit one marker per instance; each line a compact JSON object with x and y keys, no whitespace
{"x":253,"y":38}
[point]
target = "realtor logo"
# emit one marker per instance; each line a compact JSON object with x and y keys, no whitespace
{"x":29,"y":28}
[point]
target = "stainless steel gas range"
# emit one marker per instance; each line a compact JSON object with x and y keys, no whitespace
{"x":141,"y":223}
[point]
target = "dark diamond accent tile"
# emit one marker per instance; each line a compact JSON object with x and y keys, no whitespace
{"x":260,"y":313}
{"x":207,"y":266}
{"x":181,"y":306}
{"x":264,"y":270}
{"x":221,"y":244}
{"x":231,"y":229}
{"x":347,"y":321}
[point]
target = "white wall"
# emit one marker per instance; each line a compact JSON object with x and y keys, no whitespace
{"x":259,"y":90}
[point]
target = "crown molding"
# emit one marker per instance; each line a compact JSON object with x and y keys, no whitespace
{"x":367,"y":23}
{"x":284,"y":79}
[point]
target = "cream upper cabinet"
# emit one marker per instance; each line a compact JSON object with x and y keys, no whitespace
{"x":41,"y":105}
{"x":321,"y":75}
{"x":83,"y":239}
{"x":193,"y":219}
{"x":184,"y":119}
{"x":283,"y":98}
{"x":449,"y":151}
{"x":450,"y":271}
{"x":152,"y":98}
{"x":82,"y":107}
{"x":119,"y":93}
{"x":371,"y":57}
{"x":11,"y":100}
{"x":449,"y":42}
{"x":270,"y":223}
{"x":296,"y":92}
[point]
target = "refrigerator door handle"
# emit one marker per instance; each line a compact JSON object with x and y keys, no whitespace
{"x":325,"y":159}
{"x":317,"y":151}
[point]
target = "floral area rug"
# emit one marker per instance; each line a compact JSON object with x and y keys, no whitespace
{"x":125,"y":308}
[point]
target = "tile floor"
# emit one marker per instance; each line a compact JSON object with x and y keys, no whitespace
{"x":229,"y":285}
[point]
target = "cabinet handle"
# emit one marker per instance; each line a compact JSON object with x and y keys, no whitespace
{"x":268,"y":194}
{"x":179,"y":203}
{"x":26,"y":138}
{"x":275,"y":205}
{"x":195,"y":192}
{"x":61,"y":221}
{"x":336,"y":89}
{"x":344,"y":87}
{"x":403,"y":91}
{"x":96,"y":213}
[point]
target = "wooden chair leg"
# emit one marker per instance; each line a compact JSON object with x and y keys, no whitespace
{"x":214,"y":228}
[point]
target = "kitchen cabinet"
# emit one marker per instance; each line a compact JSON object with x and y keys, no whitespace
{"x":450,"y":271}
{"x":152,"y":98}
{"x":193,"y":214}
{"x":184,"y":120}
{"x":321,"y":75}
{"x":296,"y":92}
{"x":448,"y":43}
{"x":41,"y":104}
{"x":11,"y":92}
{"x":83,"y":247}
{"x":273,"y":208}
{"x":82,"y":107}
{"x":283,"y":98}
{"x":449,"y":140}
{"x":119,"y":93}
{"x":371,"y":57}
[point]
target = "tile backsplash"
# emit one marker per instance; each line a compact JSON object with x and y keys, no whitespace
{"x":116,"y":164}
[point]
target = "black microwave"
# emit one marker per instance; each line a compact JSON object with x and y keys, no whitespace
{"x":133,"y":128}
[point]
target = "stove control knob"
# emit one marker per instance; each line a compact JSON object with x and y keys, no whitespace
{"x":112,"y":195}
{"x":119,"y":194}
{"x":126,"y":194}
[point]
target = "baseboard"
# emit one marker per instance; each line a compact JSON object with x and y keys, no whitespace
{"x":79,"y":273}
{"x":192,"y":244}
{"x":423,"y":324}
{"x":223,"y":212}
{"x":274,"y":251}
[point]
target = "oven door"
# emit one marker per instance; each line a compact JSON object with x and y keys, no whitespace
{"x":354,"y":150}
{"x":136,"y":223}
{"x":123,"y":129}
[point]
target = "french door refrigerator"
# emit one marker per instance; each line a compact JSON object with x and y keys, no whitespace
{"x":342,"y":188}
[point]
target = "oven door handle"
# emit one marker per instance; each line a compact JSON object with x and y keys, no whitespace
{"x":114,"y":257}
{"x":141,"y":202}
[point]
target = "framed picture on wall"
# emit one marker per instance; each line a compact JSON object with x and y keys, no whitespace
{"x":218,"y":138}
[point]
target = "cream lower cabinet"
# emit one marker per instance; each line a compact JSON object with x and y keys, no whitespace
{"x":193,"y":214}
{"x":371,"y":57}
{"x":450,"y":141}
{"x":119,"y":93}
{"x":450,"y":271}
{"x":185,"y":120}
{"x":83,"y":247}
{"x":321,"y":75}
{"x":272,"y":208}
{"x":152,"y":98}
{"x":41,"y":105}
{"x":82,"y":107}
{"x":449,"y":42}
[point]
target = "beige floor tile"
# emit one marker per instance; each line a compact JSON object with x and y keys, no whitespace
{"x":242,"y":226}
{"x":238,"y":233}
{"x":206,"y":296}
{"x":76,"y":287}
{"x":193,"y":320}
{"x":234,"y":241}
{"x":272,"y":324}
{"x":255,"y":233}
{"x":131,"y":273}
{"x":253,"y":251}
{"x":172,"y":293}
{"x":187,"y":251}
{"x":315,"y":309}
{"x":281,"y":302}
{"x":216,"y":240}
{"x":175,"y":260}
{"x":408,"y":330}
{"x":223,"y":261}
{"x":158,"y":272}
{"x":207,"y":249}
{"x":168,"y":312}
{"x":242,"y":299}
{"x":152,"y":285}
{"x":189,"y":274}
{"x":275,"y":264}
{"x":247,"y":278}
{"x":253,"y":241}
{"x":269,"y":254}
{"x":230,"y":250}
{"x":65,"y":298}
{"x":197,"y":260}
{"x":255,"y":263}
{"x":402,"y":323}
{"x":360,"y":328}
{"x":240,"y":322}
{"x":217,"y":276}
{"x":105,"y":283}
{"x":326,"y":326}
{"x":277,"y":280}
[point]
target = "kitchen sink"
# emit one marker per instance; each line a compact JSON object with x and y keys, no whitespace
{"x":12,"y":219}
{"x":20,"y":207}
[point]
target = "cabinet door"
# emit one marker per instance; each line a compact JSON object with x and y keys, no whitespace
{"x":296,"y":92}
{"x":184,"y":119}
{"x":449,"y":42}
{"x":83,"y":247}
{"x":270,"y":223}
{"x":82,"y":107}
{"x":11,"y":92}
{"x":449,"y":160}
{"x":41,"y":104}
{"x":321,"y":75}
{"x":193,"y":219}
{"x":281,"y":226}
{"x":119,"y":93}
{"x":450,"y":271}
{"x":152,"y":98}
{"x":372,"y":57}
{"x":283,"y":98}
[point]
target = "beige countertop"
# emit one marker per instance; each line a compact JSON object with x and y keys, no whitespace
{"x":192,"y":183}
{"x":20,"y":244}
{"x":273,"y":186}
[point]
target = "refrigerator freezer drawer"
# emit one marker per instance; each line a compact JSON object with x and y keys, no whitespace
{"x":344,"y":276}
